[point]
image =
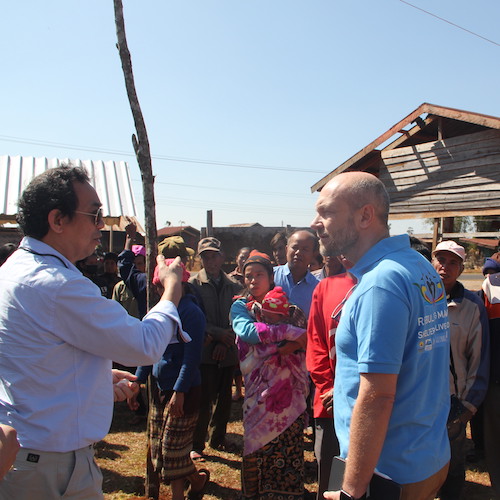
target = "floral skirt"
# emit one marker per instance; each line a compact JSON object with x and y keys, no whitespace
{"x":276,"y":471}
{"x":171,"y":438}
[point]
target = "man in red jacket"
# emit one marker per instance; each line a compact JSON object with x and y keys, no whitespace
{"x":328,"y":298}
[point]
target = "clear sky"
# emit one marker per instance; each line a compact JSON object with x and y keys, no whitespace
{"x":247,"y":103}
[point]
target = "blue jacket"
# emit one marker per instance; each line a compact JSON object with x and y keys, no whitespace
{"x":179,"y":367}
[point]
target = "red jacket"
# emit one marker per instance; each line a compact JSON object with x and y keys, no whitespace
{"x":328,"y":297}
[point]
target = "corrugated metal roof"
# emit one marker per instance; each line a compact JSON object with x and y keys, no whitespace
{"x":111,"y":179}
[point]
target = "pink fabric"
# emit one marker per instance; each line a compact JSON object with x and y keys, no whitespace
{"x":139,"y":250}
{"x":185,"y":273}
{"x":276,"y":386}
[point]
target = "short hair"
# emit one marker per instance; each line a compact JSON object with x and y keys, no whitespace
{"x":368,"y":189}
{"x":420,"y":247}
{"x":278,"y":238}
{"x":244,"y":249}
{"x":53,"y":189}
{"x":6,"y":251}
{"x":311,"y":234}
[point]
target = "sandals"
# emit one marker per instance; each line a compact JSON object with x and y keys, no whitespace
{"x":198,"y":495}
{"x":196,"y":456}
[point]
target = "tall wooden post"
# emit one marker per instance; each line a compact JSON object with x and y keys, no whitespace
{"x":143,"y":155}
{"x":210,"y":223}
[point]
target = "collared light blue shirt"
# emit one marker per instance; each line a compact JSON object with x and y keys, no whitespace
{"x":396,"y":322}
{"x":58,"y":336}
{"x":299,"y":293}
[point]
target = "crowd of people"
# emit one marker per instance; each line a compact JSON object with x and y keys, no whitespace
{"x":370,"y":339}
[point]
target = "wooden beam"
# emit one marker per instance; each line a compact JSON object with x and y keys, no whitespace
{"x":430,"y":215}
{"x":7,"y":219}
{"x":440,"y":129}
{"x":455,"y":114}
{"x":463,"y":116}
{"x":377,"y":142}
{"x":435,"y":233}
{"x":420,"y":125}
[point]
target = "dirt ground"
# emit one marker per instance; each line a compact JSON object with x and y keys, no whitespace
{"x":121,"y":456}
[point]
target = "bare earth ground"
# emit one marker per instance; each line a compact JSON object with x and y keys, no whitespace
{"x":121,"y":456}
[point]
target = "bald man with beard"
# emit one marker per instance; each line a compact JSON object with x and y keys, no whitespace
{"x":391,"y":395}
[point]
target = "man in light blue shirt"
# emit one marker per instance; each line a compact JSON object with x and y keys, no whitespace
{"x":391,"y":394}
{"x":294,"y":276}
{"x":58,"y":336}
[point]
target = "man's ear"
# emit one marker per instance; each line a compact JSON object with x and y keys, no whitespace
{"x":366,"y":215}
{"x":56,"y":220}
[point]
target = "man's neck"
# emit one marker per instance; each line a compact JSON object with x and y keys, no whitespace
{"x":216,"y":277}
{"x":297,"y":274}
{"x":58,"y":244}
{"x":366,"y":244}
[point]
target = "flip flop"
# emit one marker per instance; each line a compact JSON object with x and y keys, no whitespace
{"x":196,"y":457}
{"x":198,"y":495}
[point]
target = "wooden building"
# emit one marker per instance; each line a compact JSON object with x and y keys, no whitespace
{"x":437,"y":162}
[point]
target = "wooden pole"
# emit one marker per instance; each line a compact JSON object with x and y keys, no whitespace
{"x":210,"y":223}
{"x":143,"y":155}
{"x":435,"y":233}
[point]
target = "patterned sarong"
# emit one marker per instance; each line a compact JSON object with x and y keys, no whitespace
{"x":276,"y":471}
{"x":171,"y":438}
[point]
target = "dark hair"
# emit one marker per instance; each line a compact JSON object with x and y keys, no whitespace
{"x":48,"y":191}
{"x":111,"y":256}
{"x":264,"y":260}
{"x":420,"y":247}
{"x":311,"y":234}
{"x":278,"y":238}
{"x":6,"y":251}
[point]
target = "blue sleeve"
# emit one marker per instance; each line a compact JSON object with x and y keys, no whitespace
{"x":477,"y":392}
{"x":379,"y":349}
{"x":243,"y":323}
{"x":142,"y":373}
{"x":194,"y":323}
{"x":133,"y":278}
{"x":125,"y":263}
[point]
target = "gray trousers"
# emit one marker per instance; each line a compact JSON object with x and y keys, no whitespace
{"x":326,"y":446}
{"x":73,"y":475}
{"x":215,"y":406}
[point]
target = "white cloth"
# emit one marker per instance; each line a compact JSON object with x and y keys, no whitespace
{"x":58,"y":336}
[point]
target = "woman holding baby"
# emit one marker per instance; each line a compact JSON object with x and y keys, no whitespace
{"x":271,"y":340}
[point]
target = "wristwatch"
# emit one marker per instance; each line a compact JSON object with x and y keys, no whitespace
{"x":345,"y":496}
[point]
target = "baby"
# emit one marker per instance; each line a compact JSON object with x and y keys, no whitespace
{"x":275,"y":307}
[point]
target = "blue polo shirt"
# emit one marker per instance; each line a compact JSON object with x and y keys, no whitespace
{"x":396,"y":322}
{"x":299,"y":293}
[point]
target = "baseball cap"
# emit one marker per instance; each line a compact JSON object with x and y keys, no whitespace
{"x":209,"y":243}
{"x":174,"y":246}
{"x":450,"y":246}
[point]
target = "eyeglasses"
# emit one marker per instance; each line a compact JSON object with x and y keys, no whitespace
{"x":98,"y":218}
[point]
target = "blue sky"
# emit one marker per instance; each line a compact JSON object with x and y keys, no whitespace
{"x":247,"y":103}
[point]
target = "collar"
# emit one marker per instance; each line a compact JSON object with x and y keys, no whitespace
{"x":38,"y":247}
{"x":378,"y":251}
{"x":308,"y":278}
{"x":457,"y":294}
{"x":204,"y":278}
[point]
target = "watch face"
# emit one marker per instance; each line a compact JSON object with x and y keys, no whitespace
{"x":345,"y":496}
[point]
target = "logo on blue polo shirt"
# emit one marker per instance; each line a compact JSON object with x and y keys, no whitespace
{"x":431,"y":289}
